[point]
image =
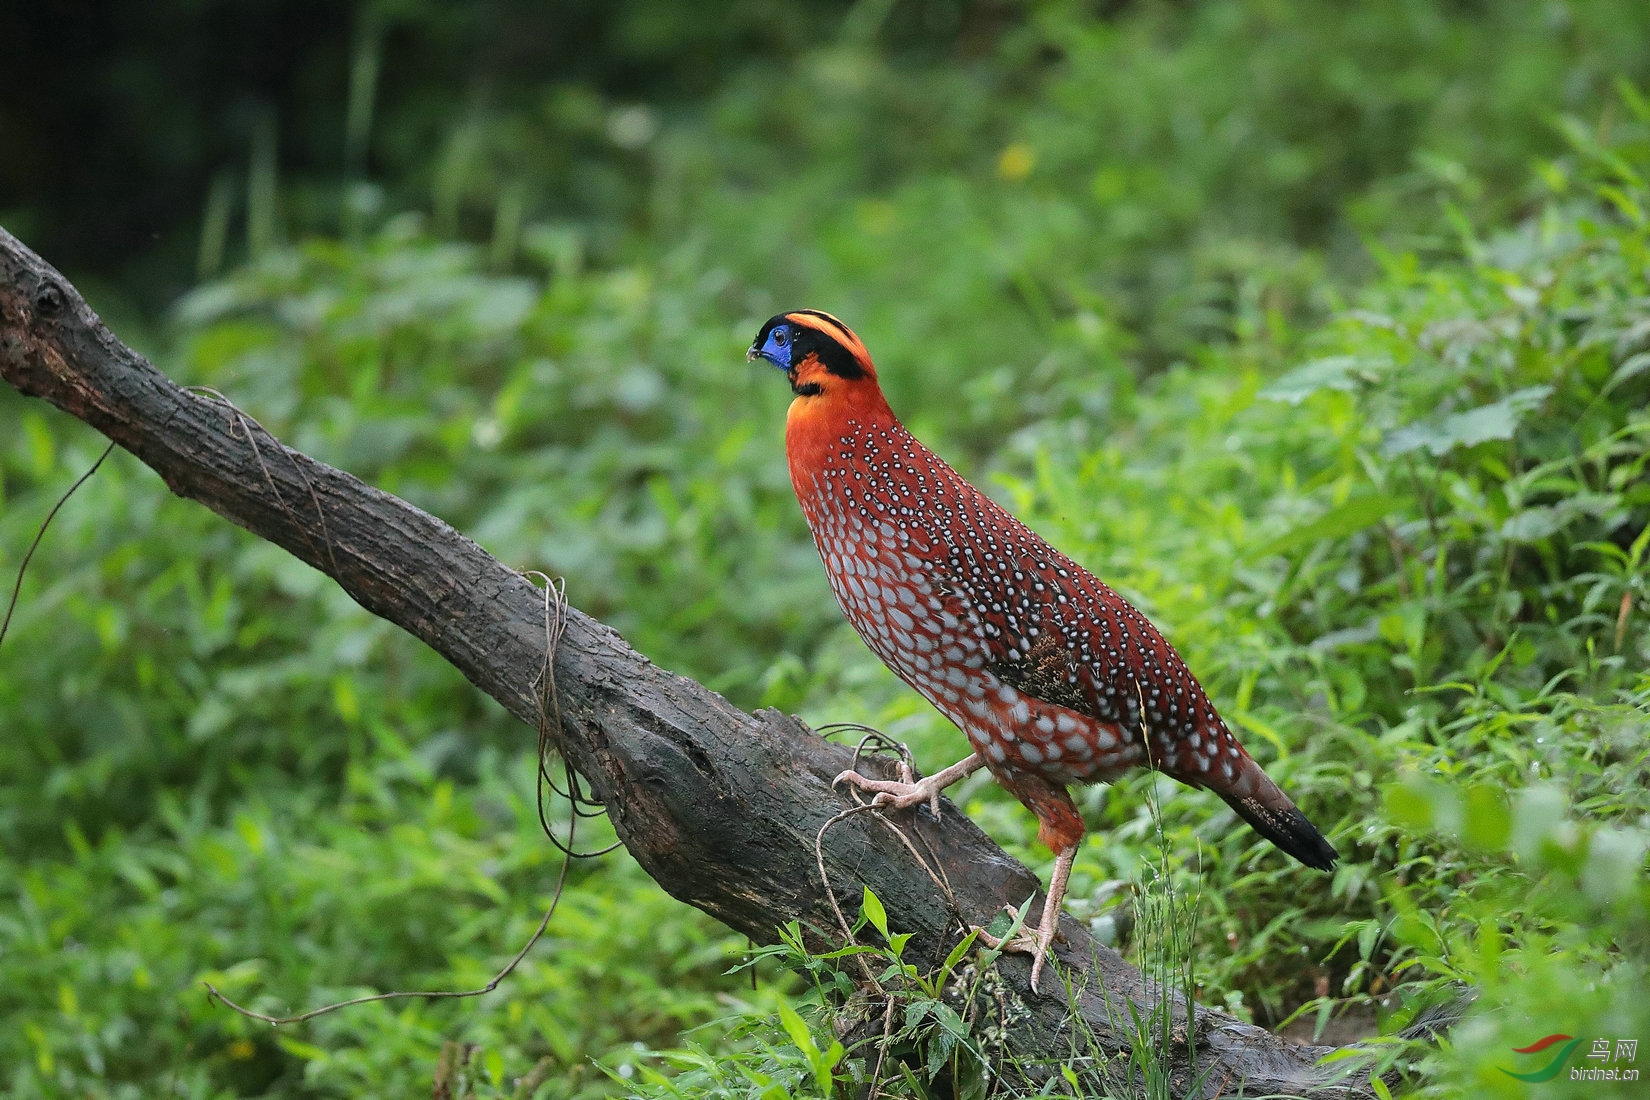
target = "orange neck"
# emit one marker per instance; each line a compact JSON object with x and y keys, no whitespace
{"x":816,"y":424}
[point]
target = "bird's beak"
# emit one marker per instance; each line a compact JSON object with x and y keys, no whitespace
{"x":755,"y":353}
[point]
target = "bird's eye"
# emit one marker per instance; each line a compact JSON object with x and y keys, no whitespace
{"x":779,"y":336}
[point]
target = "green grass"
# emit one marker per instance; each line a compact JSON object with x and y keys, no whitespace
{"x":1339,"y":374}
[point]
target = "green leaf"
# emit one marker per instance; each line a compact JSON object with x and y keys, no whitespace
{"x":915,"y":1013}
{"x":1487,"y":823}
{"x":959,"y":951}
{"x":1359,"y":512}
{"x":1498,"y":420}
{"x":1540,"y":824}
{"x":309,"y":1052}
{"x":1408,"y":805}
{"x":827,"y":1062}
{"x":1632,"y":367}
{"x":873,"y":911}
{"x":1343,"y":373}
{"x":797,"y":1028}
{"x":1614,"y":864}
{"x":1366,"y":939}
{"x":940,"y":1046}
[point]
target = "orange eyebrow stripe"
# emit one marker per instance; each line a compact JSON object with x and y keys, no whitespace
{"x":821,"y":321}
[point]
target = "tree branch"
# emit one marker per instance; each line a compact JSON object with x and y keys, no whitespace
{"x":723,"y":808}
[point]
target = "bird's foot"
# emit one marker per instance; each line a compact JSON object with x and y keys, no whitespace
{"x":896,"y":794}
{"x":1020,"y":940}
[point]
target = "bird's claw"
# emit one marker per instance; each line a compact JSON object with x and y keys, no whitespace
{"x":1021,"y":940}
{"x":895,"y":794}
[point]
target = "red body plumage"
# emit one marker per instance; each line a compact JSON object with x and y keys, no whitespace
{"x":1054,"y":677}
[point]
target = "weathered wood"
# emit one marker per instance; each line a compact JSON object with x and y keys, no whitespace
{"x":720,"y":806}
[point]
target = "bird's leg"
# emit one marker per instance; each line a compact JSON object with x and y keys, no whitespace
{"x":909,"y":791}
{"x":1036,"y":942}
{"x":1051,"y":911}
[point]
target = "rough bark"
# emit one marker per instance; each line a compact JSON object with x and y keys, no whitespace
{"x":720,"y":806}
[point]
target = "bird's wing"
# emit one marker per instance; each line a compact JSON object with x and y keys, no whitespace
{"x":1058,"y":634}
{"x":1025,"y":628}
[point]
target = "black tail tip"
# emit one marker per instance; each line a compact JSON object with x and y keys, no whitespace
{"x":1289,"y":829}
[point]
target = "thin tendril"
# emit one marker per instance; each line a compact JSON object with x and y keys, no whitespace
{"x":16,"y":589}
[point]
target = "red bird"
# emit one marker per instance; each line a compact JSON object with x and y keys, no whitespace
{"x":1054,"y":677}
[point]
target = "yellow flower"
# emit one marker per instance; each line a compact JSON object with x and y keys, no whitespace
{"x":1016,"y":161}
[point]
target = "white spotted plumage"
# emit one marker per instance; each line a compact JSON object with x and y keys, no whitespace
{"x":921,"y":564}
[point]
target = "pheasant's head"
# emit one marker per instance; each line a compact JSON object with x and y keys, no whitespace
{"x":835,"y":385}
{"x":821,"y":356}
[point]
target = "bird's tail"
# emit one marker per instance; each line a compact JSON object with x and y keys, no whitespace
{"x":1270,"y":813}
{"x":1223,"y":767}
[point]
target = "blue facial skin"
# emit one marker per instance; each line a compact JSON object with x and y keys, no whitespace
{"x":777,"y":349}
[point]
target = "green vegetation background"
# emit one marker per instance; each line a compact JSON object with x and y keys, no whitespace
{"x":1322,"y":331}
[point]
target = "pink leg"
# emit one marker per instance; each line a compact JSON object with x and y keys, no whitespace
{"x":1050,"y":921}
{"x":1036,"y":942}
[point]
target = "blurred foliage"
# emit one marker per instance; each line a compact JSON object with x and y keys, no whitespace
{"x":142,"y":115}
{"x":1320,"y":331}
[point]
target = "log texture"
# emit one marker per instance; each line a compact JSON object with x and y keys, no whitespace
{"x":720,"y":806}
